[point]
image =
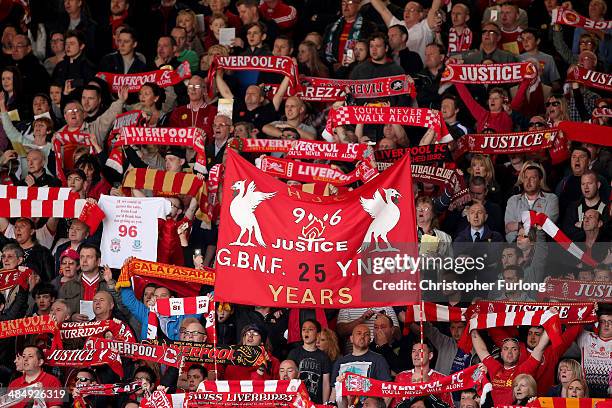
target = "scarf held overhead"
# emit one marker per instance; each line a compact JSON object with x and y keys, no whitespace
{"x":591,"y":79}
{"x":138,"y":267}
{"x":162,"y":77}
{"x":261,"y":145}
{"x":68,"y":138}
{"x":506,"y":143}
{"x":77,"y":330}
{"x":86,"y":357}
{"x":162,"y":354}
{"x":37,"y":193}
{"x":489,"y":73}
{"x":587,"y":133}
{"x":569,"y":313}
{"x":565,"y":16}
{"x":575,"y":290}
{"x":310,"y":149}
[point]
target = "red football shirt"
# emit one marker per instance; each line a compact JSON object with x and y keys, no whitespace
{"x":48,"y":382}
{"x":501,"y":377}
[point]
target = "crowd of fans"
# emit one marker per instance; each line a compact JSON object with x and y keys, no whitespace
{"x":52,"y":50}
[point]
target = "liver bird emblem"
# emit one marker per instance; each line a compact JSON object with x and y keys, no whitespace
{"x":242,"y":210}
{"x":385,"y":214}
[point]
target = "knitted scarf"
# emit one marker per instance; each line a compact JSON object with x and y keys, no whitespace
{"x":162,"y":354}
{"x":587,"y":133}
{"x":591,"y":79}
{"x":569,"y":313}
{"x":62,"y":138}
{"x":426,"y":154}
{"x":459,"y":42}
{"x":77,"y":330}
{"x":575,"y":290}
{"x":489,"y":73}
{"x":260,"y":145}
{"x":333,"y":36}
{"x":87,"y":357}
{"x":565,"y":16}
{"x":506,"y":143}
{"x":162,"y":77}
{"x":37,"y":193}
{"x":175,"y":307}
{"x":13,"y":277}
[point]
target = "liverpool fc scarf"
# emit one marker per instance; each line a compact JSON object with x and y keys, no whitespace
{"x":37,"y":193}
{"x":310,"y":149}
{"x":426,"y":154}
{"x":162,"y":354}
{"x":587,"y":133}
{"x":569,"y":313}
{"x":260,"y":145}
{"x":449,"y":179}
{"x":433,"y":312}
{"x":109,"y":389}
{"x":507,"y":73}
{"x":591,"y":79}
{"x":530,"y":218}
{"x":86,"y":357}
{"x":13,"y":277}
{"x":67,"y":138}
{"x":472,"y":377}
{"x":575,"y":290}
{"x":263,"y":63}
{"x":381,"y":115}
{"x":506,"y":143}
{"x":162,"y":77}
{"x":27,"y":326}
{"x":77,"y":330}
{"x":544,"y":318}
{"x":184,"y":137}
{"x":459,"y":42}
{"x":314,"y":172}
{"x":565,"y":16}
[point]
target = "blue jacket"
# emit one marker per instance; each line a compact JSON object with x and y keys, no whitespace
{"x":171,"y":329}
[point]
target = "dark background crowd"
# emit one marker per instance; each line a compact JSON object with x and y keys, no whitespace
{"x":52,"y":50}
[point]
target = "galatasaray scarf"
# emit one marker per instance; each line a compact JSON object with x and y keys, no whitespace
{"x":544,"y":318}
{"x":575,"y":290}
{"x":110,"y":389}
{"x":472,"y":377}
{"x":569,"y":313}
{"x":506,"y":143}
{"x":37,"y":193}
{"x":507,"y":73}
{"x":68,"y":138}
{"x":381,"y":115}
{"x":77,"y":330}
{"x":85,"y":358}
{"x":315,"y":173}
{"x":13,"y":277}
{"x":530,"y":218}
{"x":149,"y":269}
{"x":162,"y":354}
{"x":267,"y":63}
{"x":162,"y":77}
{"x":331,"y":90}
{"x":591,"y":79}
{"x":570,"y":17}
{"x":587,"y":133}
{"x":426,"y":154}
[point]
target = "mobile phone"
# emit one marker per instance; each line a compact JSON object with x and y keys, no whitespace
{"x":197,"y":252}
{"x":350,"y":54}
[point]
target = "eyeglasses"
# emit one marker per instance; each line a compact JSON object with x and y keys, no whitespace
{"x":491,"y":32}
{"x":555,"y":103}
{"x":192,"y":333}
{"x":537,"y":124}
{"x":83,"y":379}
{"x":75,"y":110}
{"x":422,"y":209}
{"x":195,"y":86}
{"x":252,"y":333}
{"x":586,"y":42}
{"x":604,"y":322}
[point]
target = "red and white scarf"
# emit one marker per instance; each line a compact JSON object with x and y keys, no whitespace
{"x":261,"y":145}
{"x":507,"y":73}
{"x":184,"y":137}
{"x":435,"y":313}
{"x":575,"y":290}
{"x":314,"y":172}
{"x":78,"y":330}
{"x":37,"y":193}
{"x":381,"y":115}
{"x":601,"y":113}
{"x":316,"y":89}
{"x":162,"y":354}
{"x":264,"y":63}
{"x":459,"y":42}
{"x":506,"y":143}
{"x":565,"y":16}
{"x":569,"y":313}
{"x":310,"y":149}
{"x":109,"y":389}
{"x":450,"y":179}
{"x":15,"y":208}
{"x":13,"y":277}
{"x":212,"y":207}
{"x":27,"y":326}
{"x":550,"y":321}
{"x":62,"y":138}
{"x":176,"y":307}
{"x":530,"y":218}
{"x":591,"y":79}
{"x":162,"y":77}
{"x":84,"y":358}
{"x":426,"y":154}
{"x":471,"y":377}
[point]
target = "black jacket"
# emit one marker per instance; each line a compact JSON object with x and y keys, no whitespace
{"x":113,"y":62}
{"x":34,"y":76}
{"x":81,"y":70}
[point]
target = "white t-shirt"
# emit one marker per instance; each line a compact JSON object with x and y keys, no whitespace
{"x":130,"y":228}
{"x":419,"y":35}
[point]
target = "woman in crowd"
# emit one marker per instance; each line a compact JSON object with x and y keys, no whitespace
{"x":309,"y":62}
{"x":524,"y":389}
{"x":481,"y":165}
{"x":327,"y":342}
{"x":568,"y":370}
{"x":187,"y":19}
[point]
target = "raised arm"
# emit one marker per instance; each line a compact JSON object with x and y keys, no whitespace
{"x":475,"y":109}
{"x":222,"y":86}
{"x":538,"y":351}
{"x":280,"y":93}
{"x":433,"y":20}
{"x":479,"y":345}
{"x":384,"y":12}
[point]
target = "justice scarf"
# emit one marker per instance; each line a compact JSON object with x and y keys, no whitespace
{"x":489,"y":73}
{"x":565,"y":16}
{"x":506,"y":143}
{"x":162,"y":77}
{"x":590,"y":78}
{"x":575,"y":290}
{"x":84,"y":358}
{"x":530,"y":218}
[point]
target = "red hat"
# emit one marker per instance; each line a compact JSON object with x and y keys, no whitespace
{"x":70,"y":253}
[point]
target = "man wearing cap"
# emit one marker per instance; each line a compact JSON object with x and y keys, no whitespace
{"x":502,"y":374}
{"x":175,"y":159}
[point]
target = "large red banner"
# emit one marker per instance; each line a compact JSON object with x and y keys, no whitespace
{"x":284,"y":247}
